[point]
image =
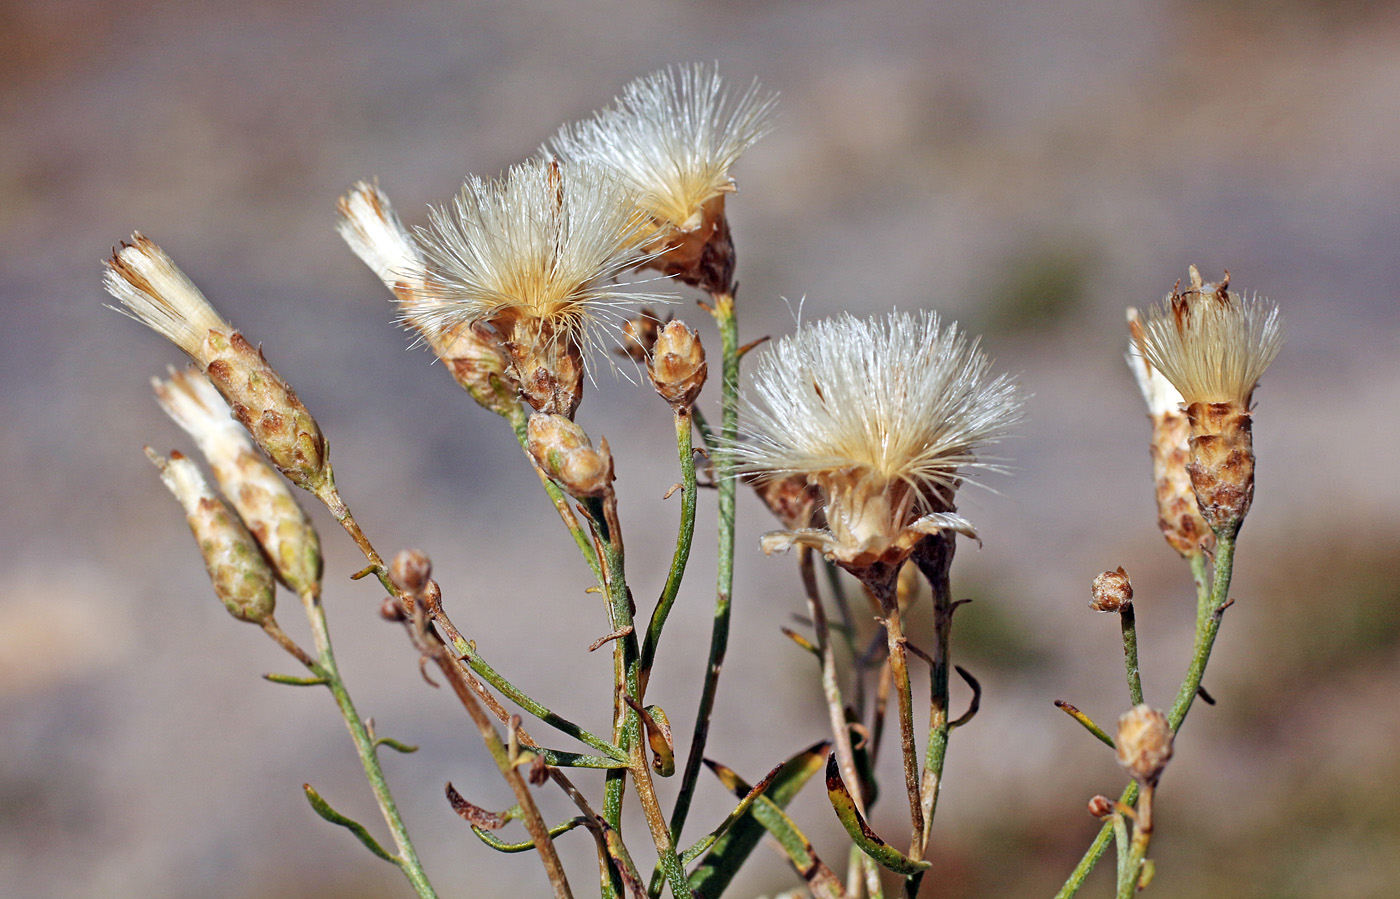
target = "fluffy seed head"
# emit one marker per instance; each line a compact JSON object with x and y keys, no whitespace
{"x":153,"y":290}
{"x":886,"y":416}
{"x":672,"y":136}
{"x":1211,"y":343}
{"x":531,"y":255}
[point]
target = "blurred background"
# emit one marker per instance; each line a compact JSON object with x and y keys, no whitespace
{"x":1028,"y":169}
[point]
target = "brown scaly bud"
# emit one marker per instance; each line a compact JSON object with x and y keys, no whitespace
{"x":677,"y":365}
{"x":1144,"y":743}
{"x":1112,"y":591}
{"x":156,"y":293}
{"x":1213,"y":345}
{"x":1100,"y":806}
{"x":1178,"y":515}
{"x":479,"y":365}
{"x":639,"y":335}
{"x":564,"y":452}
{"x":410,"y":570}
{"x":261,"y":496}
{"x":240,"y":575}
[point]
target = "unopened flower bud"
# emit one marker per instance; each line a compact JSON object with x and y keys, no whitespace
{"x":639,"y":335}
{"x":260,"y":495}
{"x":677,"y":365}
{"x":564,"y":452}
{"x":1144,"y":743}
{"x":410,"y":570}
{"x":240,"y":575}
{"x":1100,"y":806}
{"x":155,"y":292}
{"x":1112,"y":591}
{"x":392,"y":610}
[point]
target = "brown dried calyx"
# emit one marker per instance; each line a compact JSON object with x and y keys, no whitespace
{"x":677,"y":365}
{"x":545,"y":360}
{"x":1222,"y":462}
{"x":1112,"y":591}
{"x":1178,"y":513}
{"x":700,"y":253}
{"x":639,"y":335}
{"x":564,"y":452}
{"x":478,"y":364}
{"x":1144,"y":743}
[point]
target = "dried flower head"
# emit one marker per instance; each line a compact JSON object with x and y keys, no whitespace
{"x":1213,"y":345}
{"x":887,"y":417}
{"x":1178,"y":515}
{"x":156,"y":293}
{"x":530,"y":258}
{"x":1111,"y":591}
{"x":262,"y":498}
{"x":1144,"y":742}
{"x":563,"y":451}
{"x":374,"y":232}
{"x":237,"y":569}
{"x":677,"y":365}
{"x":673,"y":137}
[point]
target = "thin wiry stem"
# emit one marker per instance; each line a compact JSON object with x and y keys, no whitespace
{"x":1207,"y":627}
{"x":1128,"y":619}
{"x":325,"y":667}
{"x":519,"y":422}
{"x":723,"y":311}
{"x":684,"y":536}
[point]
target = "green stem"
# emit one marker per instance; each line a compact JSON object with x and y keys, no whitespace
{"x":934,"y":558}
{"x":685,"y":450}
{"x":1142,"y":836}
{"x":723,"y":311}
{"x":630,"y":737}
{"x":407,"y":859}
{"x":1207,"y":627}
{"x":479,"y":665}
{"x":1130,"y":652}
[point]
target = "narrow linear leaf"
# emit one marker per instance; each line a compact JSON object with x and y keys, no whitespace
{"x":732,"y":782}
{"x":323,"y":808}
{"x":395,"y":745}
{"x":728,"y":854}
{"x":500,"y":845}
{"x":558,"y":758}
{"x":292,"y":680}
{"x":860,"y":832}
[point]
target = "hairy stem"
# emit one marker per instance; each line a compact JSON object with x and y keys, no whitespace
{"x":684,"y":536}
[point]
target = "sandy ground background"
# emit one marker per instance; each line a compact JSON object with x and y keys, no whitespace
{"x":1029,"y":169}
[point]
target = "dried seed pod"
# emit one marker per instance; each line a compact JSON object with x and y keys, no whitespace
{"x":564,"y":452}
{"x":262,"y":497}
{"x":677,"y":365}
{"x":1213,"y":345}
{"x":156,"y":293}
{"x":1112,"y":591}
{"x":1144,"y":743}
{"x":240,"y":575}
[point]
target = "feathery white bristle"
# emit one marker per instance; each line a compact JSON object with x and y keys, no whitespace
{"x":900,"y":399}
{"x":183,"y":479}
{"x":1159,"y":394}
{"x":544,"y":242}
{"x":374,"y":232}
{"x":156,"y":293}
{"x":1213,"y":346}
{"x":672,"y":136}
{"x":193,"y":403}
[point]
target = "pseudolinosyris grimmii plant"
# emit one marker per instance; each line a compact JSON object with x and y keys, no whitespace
{"x":857,"y":433}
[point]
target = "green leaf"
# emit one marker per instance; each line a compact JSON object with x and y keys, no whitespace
{"x":323,"y":808}
{"x":500,"y":845}
{"x":294,"y":681}
{"x":728,"y":854}
{"x":860,"y":832}
{"x":395,"y":745}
